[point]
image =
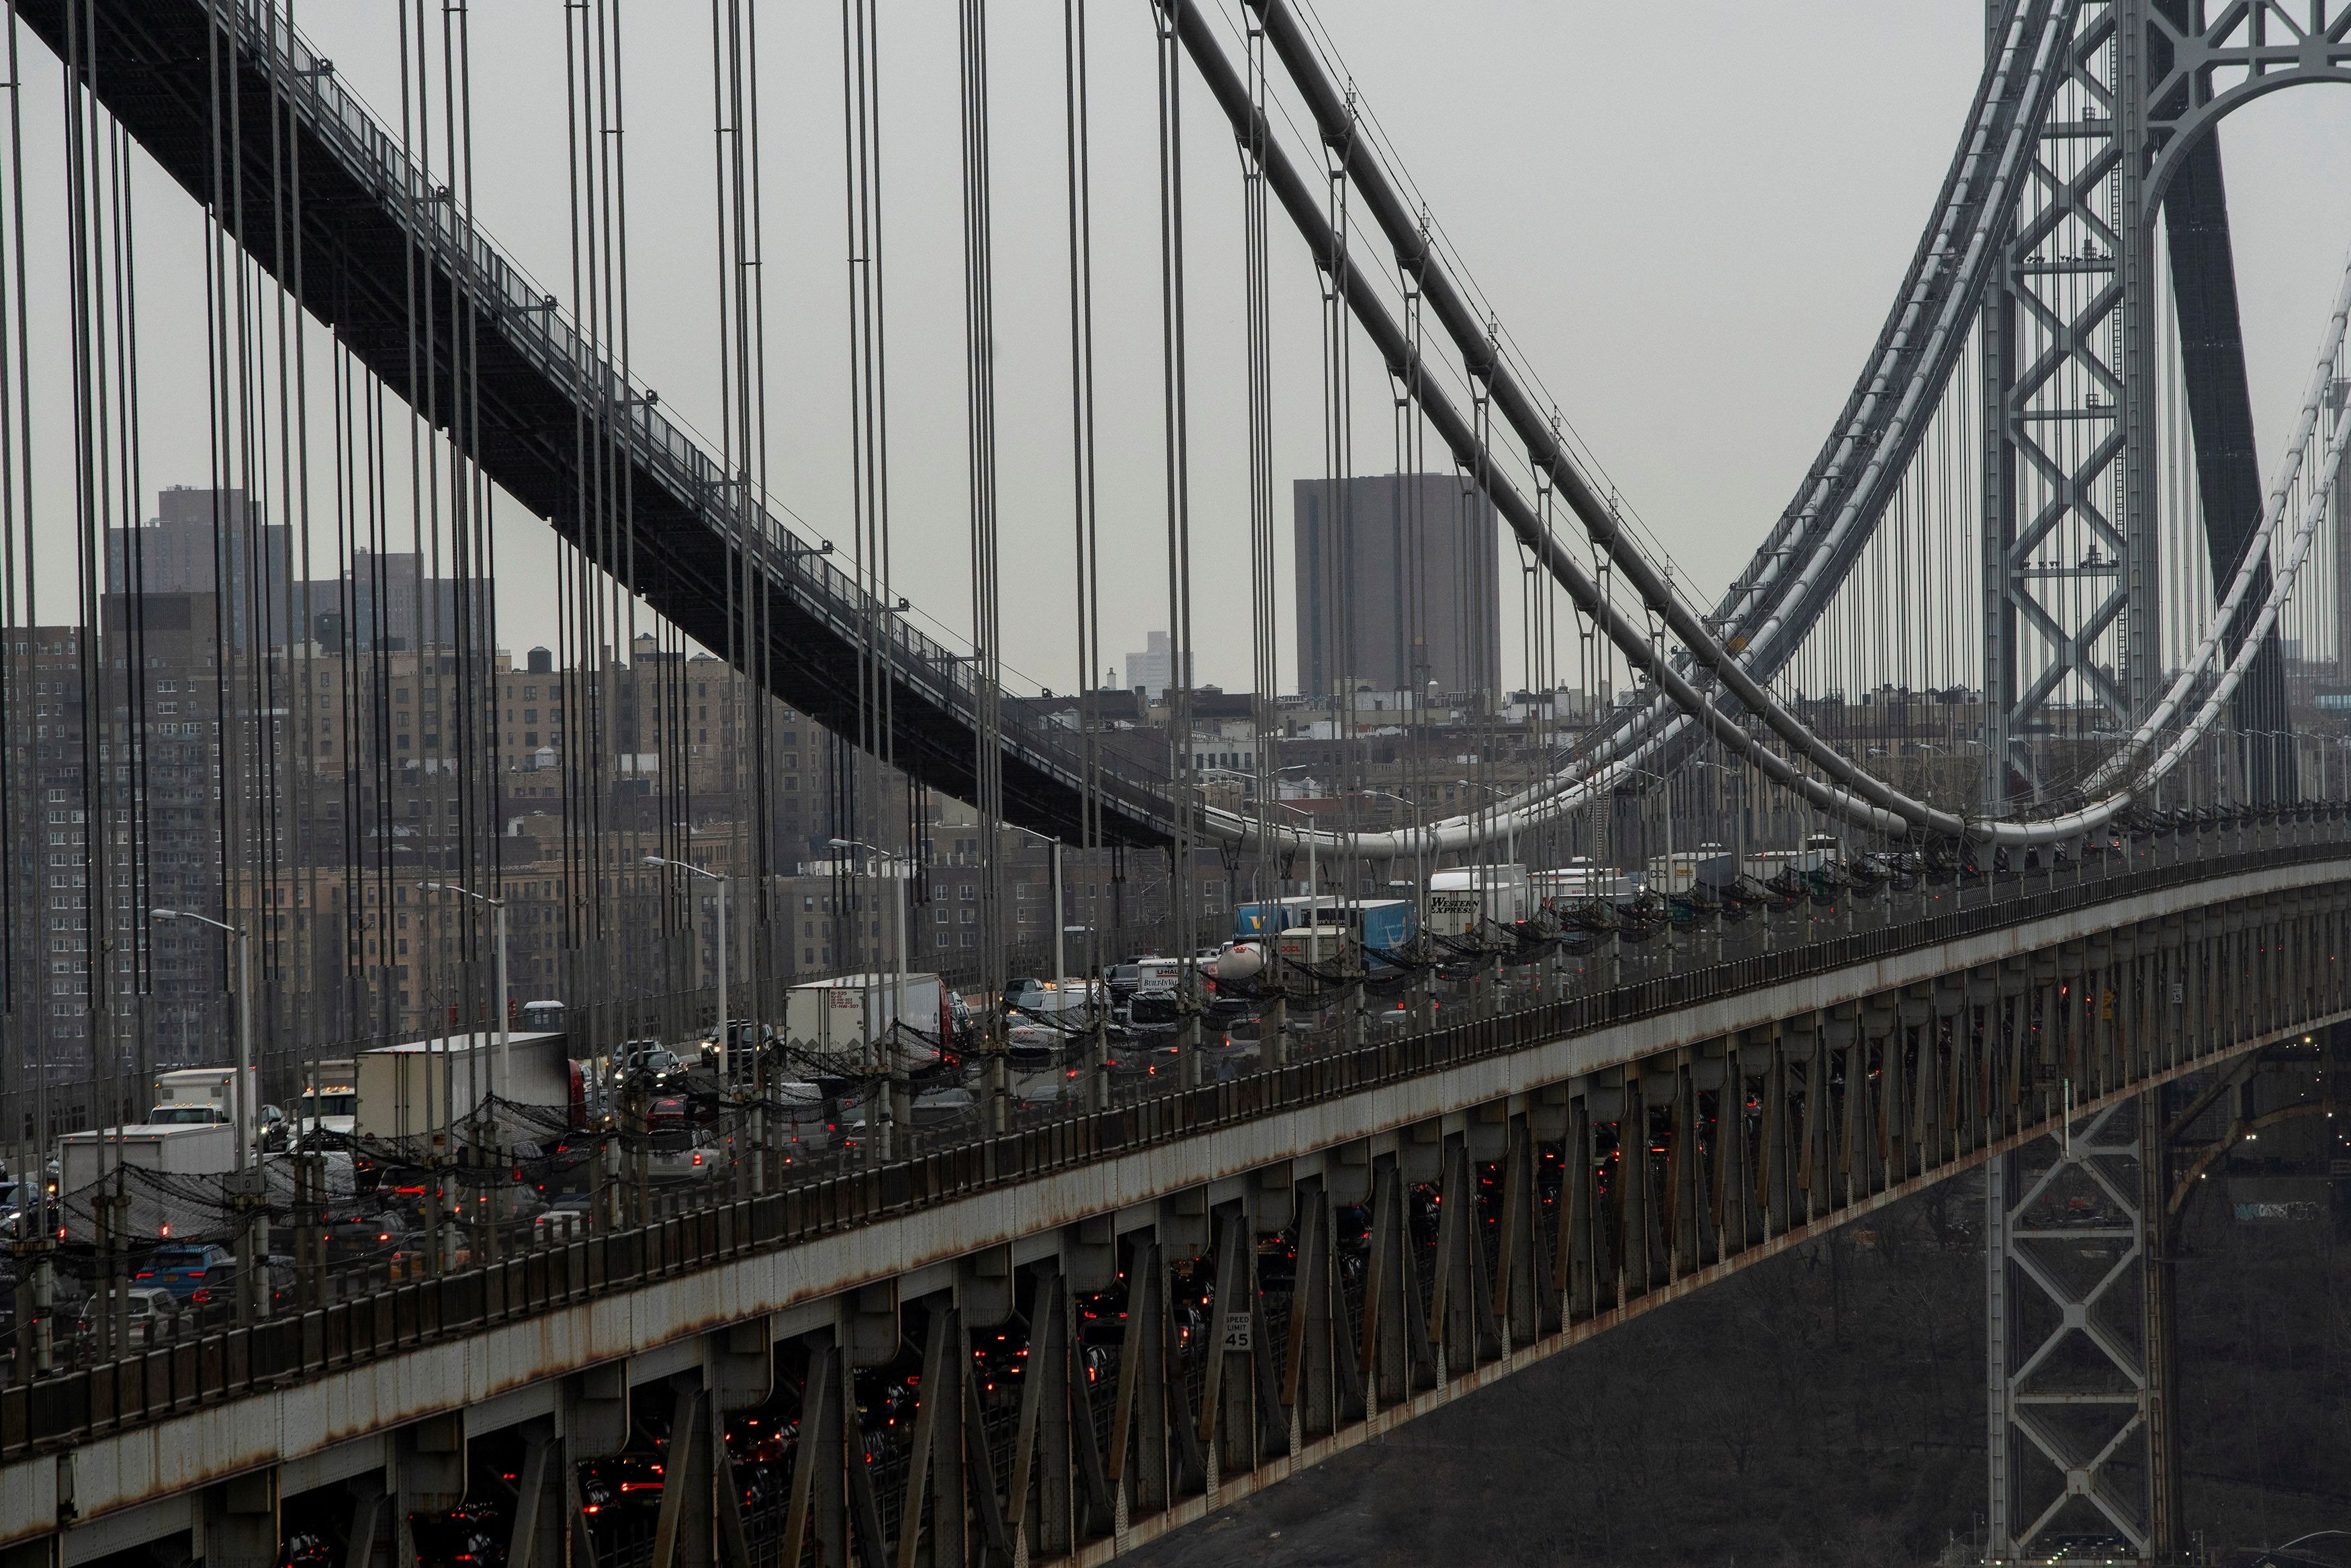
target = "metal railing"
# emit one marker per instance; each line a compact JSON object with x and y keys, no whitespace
{"x":944,"y":1163}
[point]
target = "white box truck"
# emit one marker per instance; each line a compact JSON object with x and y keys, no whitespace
{"x":1688,"y":868}
{"x":1315,"y":944}
{"x":829,"y":1019}
{"x":1580,"y":879}
{"x":1461,"y":901}
{"x":212,"y":1087}
{"x":411,"y":1090}
{"x":330,"y":1100}
{"x":157,"y":1210}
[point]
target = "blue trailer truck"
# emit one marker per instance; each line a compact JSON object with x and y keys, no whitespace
{"x":1267,"y":919}
{"x":1382,"y":925}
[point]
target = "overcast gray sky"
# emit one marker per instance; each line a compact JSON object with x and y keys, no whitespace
{"x":1691,"y":217}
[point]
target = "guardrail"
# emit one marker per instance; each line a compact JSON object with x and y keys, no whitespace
{"x":72,"y":1407}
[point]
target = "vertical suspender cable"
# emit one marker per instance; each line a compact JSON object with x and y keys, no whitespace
{"x":1091,"y":682}
{"x":1167,"y":14}
{"x":987,"y":591}
{"x":23,"y":1000}
{"x":869,"y":460}
{"x":1264,"y":611}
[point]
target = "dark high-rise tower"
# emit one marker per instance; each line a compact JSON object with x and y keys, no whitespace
{"x":1398,"y":585}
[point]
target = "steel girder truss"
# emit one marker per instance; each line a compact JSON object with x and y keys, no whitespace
{"x":1176,"y":1355}
{"x":2071,"y":575}
{"x":2079,"y":1349}
{"x":2075,"y":1348}
{"x":2067,"y":553}
{"x":2209,"y":59}
{"x":2338,"y":534}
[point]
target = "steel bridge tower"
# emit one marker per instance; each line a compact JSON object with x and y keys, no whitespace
{"x":2078,"y":1344}
{"x":2079,"y":1359}
{"x":2072,"y":357}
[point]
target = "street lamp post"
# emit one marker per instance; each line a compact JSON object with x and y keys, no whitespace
{"x":241,"y":1092}
{"x":1272,"y":952}
{"x":1419,"y":883}
{"x":1097,"y":1006}
{"x":1060,"y":964}
{"x":898,"y":998}
{"x":501,"y":1081}
{"x":1664,"y":898}
{"x":1314,"y":888}
{"x":1419,"y":856}
{"x":1666,"y":785}
{"x":240,"y":1104}
{"x":725,"y":1038}
{"x":502,"y":1071}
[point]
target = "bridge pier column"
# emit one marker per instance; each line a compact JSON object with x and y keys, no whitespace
{"x":371,"y":1514}
{"x":1463,"y":1318}
{"x":2077,"y":1419}
{"x":1716,"y":1071}
{"x":1518,"y":1267}
{"x":1351,"y":1391}
{"x":701,"y":1518}
{"x":2157,"y":1334}
{"x":1050,"y":1338}
{"x":1393,"y":1346}
{"x":428,"y":1476}
{"x":1139,"y":1449}
{"x":2176,"y":997}
{"x":685,"y":1528}
{"x":2000,"y":1176}
{"x":543,"y":1500}
{"x":239,"y":1523}
{"x":1308,"y":1392}
{"x":1922,"y":1112}
{"x":935,"y":1473}
{"x":1664,"y":1084}
{"x":2067,"y":1047}
{"x":1765,"y":1189}
{"x":2020,"y":1047}
{"x":1576,"y":1274}
{"x":1800,"y":1046}
{"x":1837,"y":1108}
{"x":2110,"y":978}
{"x":1636,"y":1250}
{"x":2096,"y":1021}
{"x":1841,"y":1032}
{"x":1881,"y":1041}
{"x":819,"y":1505}
{"x":1950,"y":1033}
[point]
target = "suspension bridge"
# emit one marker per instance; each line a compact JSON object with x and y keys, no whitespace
{"x":757,"y":1242}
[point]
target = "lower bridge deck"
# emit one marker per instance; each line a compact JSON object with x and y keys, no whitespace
{"x":1057,"y":1342}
